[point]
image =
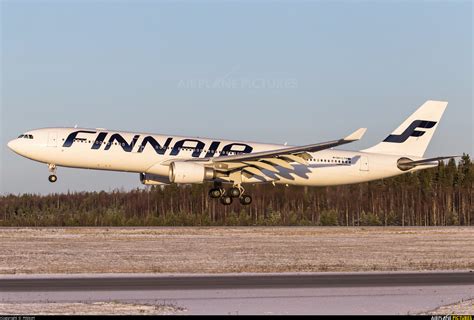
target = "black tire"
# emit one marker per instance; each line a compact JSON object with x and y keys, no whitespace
{"x":215,"y":193}
{"x":246,"y":199}
{"x":226,"y":200}
{"x":234,"y":192}
{"x":52,"y":178}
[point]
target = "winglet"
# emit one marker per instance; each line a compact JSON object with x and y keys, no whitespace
{"x":356,"y":135}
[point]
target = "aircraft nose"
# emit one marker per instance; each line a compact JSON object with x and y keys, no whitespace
{"x":13,"y":145}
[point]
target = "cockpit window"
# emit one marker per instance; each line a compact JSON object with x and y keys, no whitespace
{"x":25,"y":136}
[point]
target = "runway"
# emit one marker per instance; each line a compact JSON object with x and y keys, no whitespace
{"x":236,"y":281}
{"x":322,"y":293}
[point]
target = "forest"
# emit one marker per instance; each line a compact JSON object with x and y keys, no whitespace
{"x":440,"y":196}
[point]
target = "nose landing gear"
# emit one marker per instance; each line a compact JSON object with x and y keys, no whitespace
{"x":52,"y":168}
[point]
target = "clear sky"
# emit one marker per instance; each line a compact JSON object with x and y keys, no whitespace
{"x":296,"y":72}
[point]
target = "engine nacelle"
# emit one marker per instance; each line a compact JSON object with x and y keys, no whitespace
{"x":153,"y":179}
{"x":189,"y":172}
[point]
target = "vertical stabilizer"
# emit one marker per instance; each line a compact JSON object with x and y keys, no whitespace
{"x":412,"y":137}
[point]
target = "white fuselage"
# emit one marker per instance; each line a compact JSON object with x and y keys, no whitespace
{"x":152,"y":153}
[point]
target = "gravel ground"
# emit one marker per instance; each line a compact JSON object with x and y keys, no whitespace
{"x":94,"y":308}
{"x":461,"y":308}
{"x":122,"y":308}
{"x":234,"y":249}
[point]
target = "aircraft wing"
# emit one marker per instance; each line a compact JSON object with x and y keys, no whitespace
{"x":253,"y":163}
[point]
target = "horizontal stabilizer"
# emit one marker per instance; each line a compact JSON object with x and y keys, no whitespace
{"x":407,"y":164}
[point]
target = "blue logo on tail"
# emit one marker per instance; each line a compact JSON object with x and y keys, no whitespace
{"x":411,"y":131}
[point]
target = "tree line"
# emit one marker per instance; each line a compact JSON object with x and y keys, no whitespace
{"x":433,"y":197}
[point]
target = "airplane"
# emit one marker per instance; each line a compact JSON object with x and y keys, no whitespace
{"x":165,"y":159}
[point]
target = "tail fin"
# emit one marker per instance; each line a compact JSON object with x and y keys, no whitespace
{"x":412,"y":137}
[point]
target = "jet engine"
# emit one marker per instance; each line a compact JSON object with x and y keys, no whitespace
{"x":153,"y":179}
{"x":189,"y":172}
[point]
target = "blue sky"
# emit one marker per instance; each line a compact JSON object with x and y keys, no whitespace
{"x":296,"y":72}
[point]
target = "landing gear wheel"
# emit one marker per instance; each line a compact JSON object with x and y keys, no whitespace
{"x":215,"y":193}
{"x":226,"y":200}
{"x":245,"y":199}
{"x":234,"y":192}
{"x":52,"y":169}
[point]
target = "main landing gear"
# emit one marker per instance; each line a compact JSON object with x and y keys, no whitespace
{"x":227,"y":197}
{"x":52,"y":177}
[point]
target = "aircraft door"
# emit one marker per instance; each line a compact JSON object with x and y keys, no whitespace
{"x":364,"y":163}
{"x":52,"y":139}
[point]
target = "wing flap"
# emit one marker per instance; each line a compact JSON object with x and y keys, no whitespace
{"x":279,"y":162}
{"x":261,"y":165}
{"x":295,"y":158}
{"x":254,"y":171}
